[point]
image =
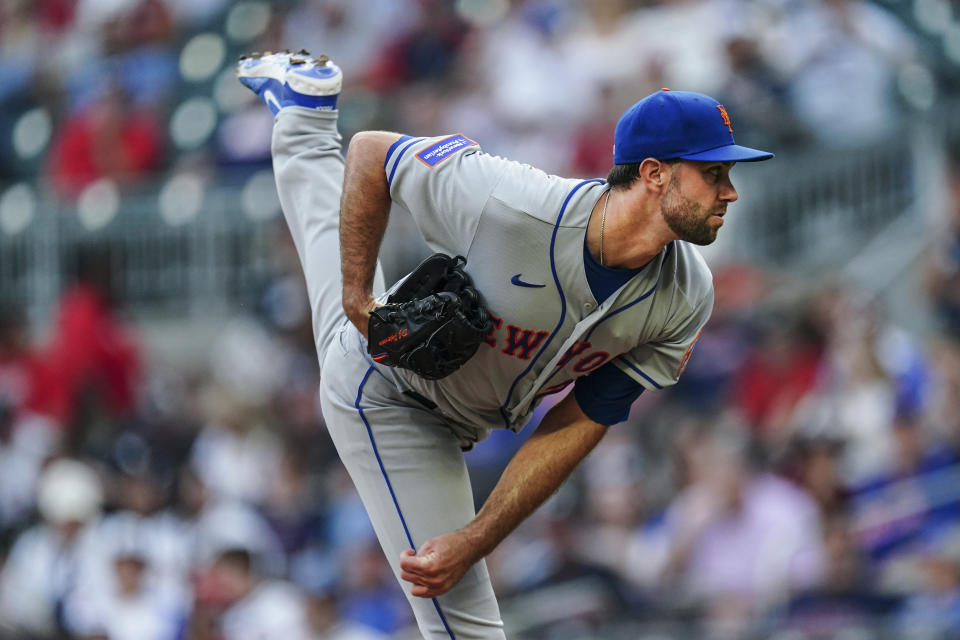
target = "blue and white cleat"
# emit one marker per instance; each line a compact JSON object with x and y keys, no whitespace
{"x":287,"y":79}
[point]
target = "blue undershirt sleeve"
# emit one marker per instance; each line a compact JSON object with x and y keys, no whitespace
{"x":606,"y":394}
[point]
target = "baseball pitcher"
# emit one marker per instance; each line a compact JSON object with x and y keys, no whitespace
{"x":537,"y":282}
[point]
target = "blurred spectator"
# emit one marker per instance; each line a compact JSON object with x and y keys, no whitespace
{"x":593,"y":142}
{"x":758,"y":96}
{"x":710,"y":379}
{"x":613,"y":503}
{"x":135,"y":37}
{"x":780,"y":371}
{"x":45,"y":562}
{"x":529,"y":106}
{"x":605,"y":59}
{"x":27,"y":438}
{"x":682,"y":43}
{"x":25,"y":443}
{"x":212,"y":524}
{"x":847,"y":600}
{"x":196,"y":14}
{"x":814,"y":463}
{"x":93,"y":357}
{"x":318,"y":574}
{"x":559,"y":588}
{"x":424,"y":50}
{"x":909,"y":504}
{"x":943,"y":414}
{"x":348,"y":525}
{"x":55,"y":16}
{"x":943,"y":266}
{"x":352,"y":30}
{"x":121,"y":45}
{"x":934,"y":610}
{"x":856,"y":395}
{"x":842,"y":74}
{"x":19,"y":43}
{"x":235,"y":454}
{"x":222,"y":492}
{"x":369,"y":593}
{"x":738,"y":541}
{"x":291,"y":506}
{"x":109,"y":138}
{"x":141,"y":521}
{"x":24,"y":376}
{"x":244,"y":136}
{"x":325,"y":621}
{"x":254,"y":607}
{"x":130,"y":604}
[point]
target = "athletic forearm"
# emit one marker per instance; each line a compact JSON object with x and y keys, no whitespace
{"x":541,"y":465}
{"x":536,"y":471}
{"x":364,"y":210}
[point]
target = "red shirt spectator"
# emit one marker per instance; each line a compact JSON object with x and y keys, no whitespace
{"x":22,"y":372}
{"x":93,"y":353}
{"x":780,"y":372}
{"x":107,"y":139}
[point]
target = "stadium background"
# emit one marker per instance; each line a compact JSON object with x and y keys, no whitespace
{"x":164,"y":472}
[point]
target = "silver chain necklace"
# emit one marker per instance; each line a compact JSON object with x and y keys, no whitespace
{"x":603,"y":224}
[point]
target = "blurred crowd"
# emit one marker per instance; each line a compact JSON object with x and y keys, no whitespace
{"x":801,"y":481}
{"x":803,"y":477}
{"x":541,"y":80}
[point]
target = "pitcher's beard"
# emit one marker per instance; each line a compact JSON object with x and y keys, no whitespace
{"x":685,"y":217}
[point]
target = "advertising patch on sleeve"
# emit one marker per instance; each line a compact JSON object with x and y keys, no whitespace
{"x":686,"y":356}
{"x":440,"y":151}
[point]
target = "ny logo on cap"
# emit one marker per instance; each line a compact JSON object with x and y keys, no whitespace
{"x":726,"y":118}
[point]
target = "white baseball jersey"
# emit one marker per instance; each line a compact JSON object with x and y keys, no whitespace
{"x":522,"y":232}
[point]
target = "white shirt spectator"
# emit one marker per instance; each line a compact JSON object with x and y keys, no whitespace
{"x":167,"y":543}
{"x":273,"y":609}
{"x":32,"y":440}
{"x":684,"y":39}
{"x":770,"y":546}
{"x":153,"y":612}
{"x":40,"y":572}
{"x":350,"y":631}
{"x":235,"y":464}
{"x":353,"y":31}
{"x":232,"y":524}
{"x":47,"y":560}
{"x":842,"y":68}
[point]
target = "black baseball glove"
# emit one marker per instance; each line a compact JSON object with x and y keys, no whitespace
{"x":432,"y":323}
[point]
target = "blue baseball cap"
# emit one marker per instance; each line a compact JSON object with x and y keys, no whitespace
{"x":679,"y":124}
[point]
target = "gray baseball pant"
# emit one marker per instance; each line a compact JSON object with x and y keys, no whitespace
{"x":405,"y":462}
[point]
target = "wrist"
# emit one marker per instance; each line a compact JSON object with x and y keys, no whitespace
{"x":357,"y":307}
{"x":479,"y":540}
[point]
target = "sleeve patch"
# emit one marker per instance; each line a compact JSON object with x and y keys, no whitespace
{"x":686,"y":356}
{"x":440,"y":151}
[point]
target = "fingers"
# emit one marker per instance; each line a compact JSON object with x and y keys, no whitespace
{"x":428,"y":592}
{"x":424,"y":573}
{"x":424,"y":565}
{"x":426,"y":588}
{"x":436,"y":568}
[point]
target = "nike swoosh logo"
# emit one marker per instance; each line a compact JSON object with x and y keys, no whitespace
{"x":520,"y":283}
{"x":271,"y":99}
